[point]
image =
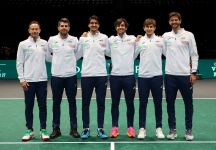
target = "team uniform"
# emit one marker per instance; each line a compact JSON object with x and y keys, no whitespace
{"x":64,"y":76}
{"x":150,"y":79}
{"x":181,"y":61}
{"x":122,"y":78}
{"x":31,"y":67}
{"x":93,"y":49}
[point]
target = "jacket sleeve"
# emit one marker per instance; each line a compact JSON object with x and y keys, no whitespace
{"x":20,"y":63}
{"x":79,"y":51}
{"x":193,"y":53}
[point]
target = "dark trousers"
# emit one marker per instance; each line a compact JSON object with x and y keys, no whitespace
{"x":40,"y":90}
{"x":172,"y":85}
{"x":88,"y":84}
{"x":155,"y":85}
{"x":58,"y":84}
{"x":128,"y":85}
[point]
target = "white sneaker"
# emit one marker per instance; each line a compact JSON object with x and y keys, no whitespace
{"x":189,"y":135}
{"x":29,"y":134}
{"x":44,"y":135}
{"x":159,"y":133}
{"x":172,"y":134}
{"x":142,"y":133}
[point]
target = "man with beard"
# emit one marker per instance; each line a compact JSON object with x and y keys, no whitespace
{"x":63,"y":48}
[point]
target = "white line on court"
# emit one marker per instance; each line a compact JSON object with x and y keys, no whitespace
{"x":112,"y":143}
{"x":112,"y":146}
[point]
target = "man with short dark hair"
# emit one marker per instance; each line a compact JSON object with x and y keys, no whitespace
{"x":63,"y":48}
{"x":180,"y":72}
{"x":122,"y":47}
{"x":93,"y":47}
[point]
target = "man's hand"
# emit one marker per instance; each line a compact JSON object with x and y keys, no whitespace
{"x":138,"y":38}
{"x":85,"y":34}
{"x":24,"y":85}
{"x":192,"y":78}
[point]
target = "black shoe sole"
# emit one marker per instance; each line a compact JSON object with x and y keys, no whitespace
{"x":75,"y":136}
{"x":53,"y":137}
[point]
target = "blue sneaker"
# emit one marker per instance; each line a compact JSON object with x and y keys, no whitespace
{"x":85,"y":134}
{"x":101,"y":134}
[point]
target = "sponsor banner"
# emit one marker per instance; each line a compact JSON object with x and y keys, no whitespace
{"x":206,"y":68}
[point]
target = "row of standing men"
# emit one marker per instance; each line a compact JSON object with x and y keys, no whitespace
{"x":63,"y":50}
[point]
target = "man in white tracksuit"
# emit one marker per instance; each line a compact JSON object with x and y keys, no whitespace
{"x":122,"y":48}
{"x":32,"y":73}
{"x":150,"y":47}
{"x":180,"y":70}
{"x":63,"y":48}
{"x":93,"y":47}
